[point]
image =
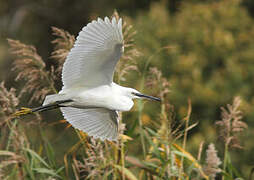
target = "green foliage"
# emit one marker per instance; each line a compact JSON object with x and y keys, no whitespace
{"x":208,"y":56}
{"x":210,"y":52}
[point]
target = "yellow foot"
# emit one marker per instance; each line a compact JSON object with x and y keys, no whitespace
{"x":23,"y":111}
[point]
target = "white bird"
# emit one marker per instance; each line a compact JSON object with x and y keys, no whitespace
{"x":89,"y":99}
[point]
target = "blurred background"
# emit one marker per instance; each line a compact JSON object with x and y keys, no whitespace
{"x":204,"y":48}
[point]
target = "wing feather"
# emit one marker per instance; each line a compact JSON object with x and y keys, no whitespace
{"x":92,"y":60}
{"x":97,"y":122}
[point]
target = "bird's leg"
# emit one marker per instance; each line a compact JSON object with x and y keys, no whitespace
{"x":51,"y":106}
{"x":22,"y":111}
{"x":47,"y":107}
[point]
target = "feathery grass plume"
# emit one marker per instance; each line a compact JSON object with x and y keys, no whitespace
{"x":31,"y":68}
{"x":8,"y":104}
{"x":94,"y":165}
{"x":155,"y":79}
{"x":230,"y":127}
{"x":231,"y":124}
{"x":62,"y":45}
{"x":12,"y":139}
{"x":128,"y":60}
{"x":10,"y":132}
{"x":212,"y":162}
{"x":8,"y":101}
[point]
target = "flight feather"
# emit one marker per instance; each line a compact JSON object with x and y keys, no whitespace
{"x":96,"y":51}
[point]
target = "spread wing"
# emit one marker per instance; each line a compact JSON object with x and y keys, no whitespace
{"x":92,"y":60}
{"x":97,"y":122}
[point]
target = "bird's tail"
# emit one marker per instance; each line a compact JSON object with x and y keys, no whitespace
{"x":54,"y":105}
{"x":52,"y":98}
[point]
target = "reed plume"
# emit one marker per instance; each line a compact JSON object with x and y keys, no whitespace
{"x":31,"y":68}
{"x":155,"y":79}
{"x":212,"y":162}
{"x":94,"y":165}
{"x":62,"y":44}
{"x":128,"y":61}
{"x":8,"y":101}
{"x":231,"y":124}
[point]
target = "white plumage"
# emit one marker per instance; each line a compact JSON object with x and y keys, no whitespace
{"x":96,"y":52}
{"x":89,"y":99}
{"x":98,"y":122}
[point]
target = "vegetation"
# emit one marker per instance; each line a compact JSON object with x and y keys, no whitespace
{"x":197,"y":59}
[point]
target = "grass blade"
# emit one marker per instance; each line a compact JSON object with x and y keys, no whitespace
{"x":46,"y":171}
{"x":36,"y":156}
{"x":126,"y":171}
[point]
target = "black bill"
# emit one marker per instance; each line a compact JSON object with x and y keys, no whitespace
{"x":147,"y":97}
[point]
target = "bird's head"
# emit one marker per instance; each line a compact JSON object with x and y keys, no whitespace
{"x":134,"y":94}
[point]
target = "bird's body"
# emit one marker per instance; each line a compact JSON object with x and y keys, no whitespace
{"x":112,"y":96}
{"x":89,"y":99}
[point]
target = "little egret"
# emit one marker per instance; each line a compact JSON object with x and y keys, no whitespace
{"x":90,"y":100}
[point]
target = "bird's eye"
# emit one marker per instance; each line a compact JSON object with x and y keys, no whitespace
{"x":134,"y":93}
